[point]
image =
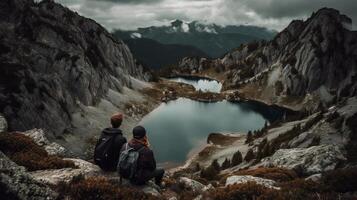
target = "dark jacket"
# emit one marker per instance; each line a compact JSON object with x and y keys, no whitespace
{"x":120,"y":140}
{"x":146,"y":162}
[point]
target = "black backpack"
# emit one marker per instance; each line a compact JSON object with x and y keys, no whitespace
{"x":104,"y":153}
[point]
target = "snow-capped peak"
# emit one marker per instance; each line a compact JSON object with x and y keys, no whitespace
{"x":135,"y":35}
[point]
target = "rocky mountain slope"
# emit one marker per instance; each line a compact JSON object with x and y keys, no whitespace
{"x":316,"y":56}
{"x":156,"y":55}
{"x":53,"y":61}
{"x":212,"y":39}
{"x":65,"y":73}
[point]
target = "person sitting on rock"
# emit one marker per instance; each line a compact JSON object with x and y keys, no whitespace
{"x":145,"y":163}
{"x":107,"y":149}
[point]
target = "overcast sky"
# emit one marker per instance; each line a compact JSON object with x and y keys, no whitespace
{"x":273,"y":14}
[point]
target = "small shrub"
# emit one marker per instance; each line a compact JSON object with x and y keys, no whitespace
{"x":210,"y":173}
{"x":215,"y":164}
{"x":249,"y":156}
{"x":351,"y":147}
{"x":24,"y":151}
{"x":237,"y":159}
{"x":341,"y":180}
{"x":279,"y":87}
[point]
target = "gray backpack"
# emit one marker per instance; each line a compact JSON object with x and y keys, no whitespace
{"x":127,"y":165}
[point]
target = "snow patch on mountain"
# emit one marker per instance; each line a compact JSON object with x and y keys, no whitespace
{"x":135,"y":35}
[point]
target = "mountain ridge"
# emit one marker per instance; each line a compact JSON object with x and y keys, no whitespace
{"x":156,"y":55}
{"x":213,"y":39}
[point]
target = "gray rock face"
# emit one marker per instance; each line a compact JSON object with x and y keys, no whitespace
{"x":52,"y":59}
{"x":54,"y":176}
{"x":3,"y":124}
{"x":244,"y":179}
{"x":16,"y":183}
{"x":308,"y":161}
{"x":39,"y":137}
{"x":191,"y":185}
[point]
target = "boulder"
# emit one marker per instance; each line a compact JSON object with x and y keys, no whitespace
{"x":16,"y":183}
{"x":192,"y":185}
{"x":39,"y":137}
{"x":54,"y":176}
{"x":308,"y":161}
{"x":247,"y":178}
{"x":3,"y":124}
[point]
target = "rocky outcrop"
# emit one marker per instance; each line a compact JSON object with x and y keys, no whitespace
{"x":16,"y":183}
{"x":191,"y":185}
{"x":3,"y":124}
{"x":52,"y":60}
{"x":39,"y":137}
{"x":313,"y":56}
{"x":55,"y":176}
{"x":244,"y":179}
{"x":307,"y":161}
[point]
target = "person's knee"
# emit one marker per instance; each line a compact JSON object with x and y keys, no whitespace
{"x":161,"y":172}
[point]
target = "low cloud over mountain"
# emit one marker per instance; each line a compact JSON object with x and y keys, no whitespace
{"x":274,"y":14}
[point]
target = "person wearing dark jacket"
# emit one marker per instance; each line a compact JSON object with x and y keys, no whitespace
{"x":119,"y":140}
{"x":146,"y":164}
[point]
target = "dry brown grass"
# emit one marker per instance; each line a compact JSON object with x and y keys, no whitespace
{"x":247,"y":191}
{"x":276,"y":174}
{"x":24,"y":151}
{"x":99,"y":188}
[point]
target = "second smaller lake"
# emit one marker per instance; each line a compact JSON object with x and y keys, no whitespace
{"x":205,"y":85}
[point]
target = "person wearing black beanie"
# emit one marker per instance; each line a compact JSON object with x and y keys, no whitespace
{"x":146,"y":163}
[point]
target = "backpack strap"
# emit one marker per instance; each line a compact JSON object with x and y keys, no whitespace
{"x":126,"y":146}
{"x":141,"y":149}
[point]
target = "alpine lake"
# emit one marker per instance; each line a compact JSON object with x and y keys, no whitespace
{"x":177,"y":127}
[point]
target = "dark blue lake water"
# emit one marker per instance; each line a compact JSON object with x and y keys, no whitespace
{"x":177,"y":127}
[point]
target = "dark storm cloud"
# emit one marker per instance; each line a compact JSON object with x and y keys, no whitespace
{"x":296,"y":8}
{"x":273,"y":14}
{"x":131,"y":1}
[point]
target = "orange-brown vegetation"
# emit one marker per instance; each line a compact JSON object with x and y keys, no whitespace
{"x":341,"y":180}
{"x":276,"y":174}
{"x":298,"y":189}
{"x":335,"y":184}
{"x":247,"y":191}
{"x":99,"y":188}
{"x":24,"y":151}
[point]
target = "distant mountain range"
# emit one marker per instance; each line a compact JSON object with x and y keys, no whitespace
{"x":212,"y":39}
{"x":156,"y":55}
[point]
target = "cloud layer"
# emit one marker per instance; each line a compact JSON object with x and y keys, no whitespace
{"x":273,"y":14}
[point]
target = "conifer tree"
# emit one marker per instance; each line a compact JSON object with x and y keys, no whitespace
{"x":237,"y":159}
{"x":249,"y":156}
{"x":249,"y":137}
{"x":226,"y":164}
